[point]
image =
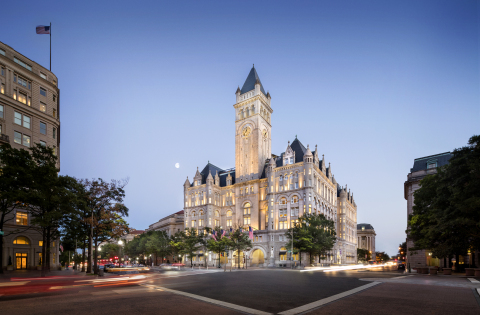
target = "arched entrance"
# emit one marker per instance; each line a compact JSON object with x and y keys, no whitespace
{"x":238,"y":262}
{"x":257,"y":257}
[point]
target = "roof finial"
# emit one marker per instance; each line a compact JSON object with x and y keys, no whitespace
{"x":254,"y":65}
{"x":208,"y":161}
{"x":295,"y":136}
{"x":288,"y":142}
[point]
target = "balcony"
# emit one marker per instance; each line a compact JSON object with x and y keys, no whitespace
{"x":4,"y":139}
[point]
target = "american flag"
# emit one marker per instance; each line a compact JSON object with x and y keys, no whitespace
{"x":213,"y":234}
{"x":250,"y":232}
{"x":61,"y":247}
{"x":42,"y":29}
{"x":223,"y":233}
{"x":231,"y":230}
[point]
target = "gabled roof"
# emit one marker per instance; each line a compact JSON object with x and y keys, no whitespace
{"x":250,"y":82}
{"x":209,"y":168}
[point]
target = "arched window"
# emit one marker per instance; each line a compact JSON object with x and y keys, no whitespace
{"x":286,"y":177}
{"x":193,"y":214}
{"x":229,"y":213}
{"x":201,"y":212}
{"x":246,"y":208}
{"x":281,"y":177}
{"x":295,"y":199}
{"x":283,"y":201}
{"x":21,"y":240}
{"x":217,"y":214}
{"x":248,"y":112}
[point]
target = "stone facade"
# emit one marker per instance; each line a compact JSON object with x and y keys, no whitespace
{"x":29,"y":113}
{"x":366,"y":238}
{"x":171,"y":224}
{"x":269,"y":192}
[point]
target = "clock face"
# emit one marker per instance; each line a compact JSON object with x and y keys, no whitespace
{"x":265,"y":133}
{"x":246,"y":131}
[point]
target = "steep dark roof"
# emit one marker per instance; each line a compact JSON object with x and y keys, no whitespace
{"x":209,"y":168}
{"x":250,"y":82}
{"x":299,"y":150}
{"x":421,"y":163}
{"x":366,"y":225}
{"x":224,"y":175}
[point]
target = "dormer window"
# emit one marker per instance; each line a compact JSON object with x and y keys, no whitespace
{"x":291,"y":160}
{"x":432,"y":165}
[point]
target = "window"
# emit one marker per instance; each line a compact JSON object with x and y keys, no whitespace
{"x":43,"y":128}
{"x":43,"y":76}
{"x":17,"y":137}
{"x":2,"y":88}
{"x":23,"y":64}
{"x":291,"y":160}
{"x":54,"y":132}
{"x":246,"y":220}
{"x":2,"y":52}
{"x":294,"y":199}
{"x":26,"y":121}
{"x":54,"y":98}
{"x":193,"y":223}
{"x":217,"y":214}
{"x":200,"y":222}
{"x":432,"y":165}
{"x":21,"y":218}
{"x":21,"y":240}
{"x":40,"y":243}
{"x":282,"y":225}
{"x":281,"y":177}
{"x":43,"y":107}
{"x":22,"y":98}
{"x":229,"y":213}
{"x":1,"y":111}
{"x":43,"y":92}
{"x":43,"y":143}
{"x":296,"y":185}
{"x":54,"y":113}
{"x":217,"y":222}
{"x":23,"y":82}
{"x":229,"y":222}
{"x":246,"y":208}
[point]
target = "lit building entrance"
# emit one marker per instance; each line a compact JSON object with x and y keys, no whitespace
{"x":257,"y":257}
{"x":21,"y":260}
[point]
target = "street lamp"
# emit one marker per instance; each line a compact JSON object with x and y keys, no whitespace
{"x":206,"y":259}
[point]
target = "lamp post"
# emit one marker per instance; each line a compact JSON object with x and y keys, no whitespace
{"x":206,"y":255}
{"x":120,"y":243}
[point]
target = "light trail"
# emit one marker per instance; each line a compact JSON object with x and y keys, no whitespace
{"x":343,"y":268}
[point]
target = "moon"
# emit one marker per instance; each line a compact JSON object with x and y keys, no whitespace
{"x":177,"y":165}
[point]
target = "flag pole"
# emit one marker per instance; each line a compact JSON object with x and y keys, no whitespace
{"x":50,"y":46}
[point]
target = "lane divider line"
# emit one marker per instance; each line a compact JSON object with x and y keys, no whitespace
{"x":215,"y":302}
{"x":472,"y":280}
{"x":316,"y":304}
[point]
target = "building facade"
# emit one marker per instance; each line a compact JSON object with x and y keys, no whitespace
{"x":269,"y":192}
{"x":29,"y":114}
{"x":366,"y":238}
{"x":171,"y":224}
{"x":421,"y":167}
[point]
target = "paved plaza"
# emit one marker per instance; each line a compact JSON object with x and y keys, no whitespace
{"x":255,"y":291}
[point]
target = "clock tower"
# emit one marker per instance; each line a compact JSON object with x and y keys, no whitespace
{"x":252,"y":129}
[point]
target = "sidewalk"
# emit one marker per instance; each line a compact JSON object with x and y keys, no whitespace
{"x":8,"y":275}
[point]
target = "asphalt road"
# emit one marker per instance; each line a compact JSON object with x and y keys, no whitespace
{"x":272,"y":291}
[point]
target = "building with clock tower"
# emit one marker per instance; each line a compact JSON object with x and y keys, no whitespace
{"x":269,"y":192}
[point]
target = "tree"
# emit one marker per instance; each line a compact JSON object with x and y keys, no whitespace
{"x":314,"y":234}
{"x":382,"y":256}
{"x":15,"y":176}
{"x":157,"y":243}
{"x":110,"y":250}
{"x":446,"y":214}
{"x":191,"y":242}
{"x":49,"y":198}
{"x":219,"y":244}
{"x":363,"y":255}
{"x":239,"y":242}
{"x":204,"y":237}
{"x":104,"y":202}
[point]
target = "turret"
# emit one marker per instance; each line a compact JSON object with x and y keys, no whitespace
{"x":186,"y":184}
{"x":217,"y":179}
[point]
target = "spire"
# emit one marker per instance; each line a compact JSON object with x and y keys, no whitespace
{"x":308,"y":152}
{"x":238,"y":90}
{"x":250,"y":82}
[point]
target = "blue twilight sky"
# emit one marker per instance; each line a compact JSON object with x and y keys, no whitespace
{"x":145,"y":85}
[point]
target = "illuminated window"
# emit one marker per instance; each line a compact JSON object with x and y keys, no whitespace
{"x":21,"y":218}
{"x":283,"y":254}
{"x":21,"y":240}
{"x":283,"y":201}
{"x":54,"y":113}
{"x":295,"y":199}
{"x":200,"y":222}
{"x":246,"y":220}
{"x":309,"y":208}
{"x":246,"y":208}
{"x":217,"y":214}
{"x":229,"y":222}
{"x":193,"y":223}
{"x":2,"y":88}
{"x":40,"y":243}
{"x":22,"y":98}
{"x":43,"y":107}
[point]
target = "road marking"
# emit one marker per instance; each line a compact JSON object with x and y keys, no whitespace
{"x":11,"y":284}
{"x":212,"y":301}
{"x":478,"y":291}
{"x":394,"y":278}
{"x":310,"y":306}
{"x":473,"y":280}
